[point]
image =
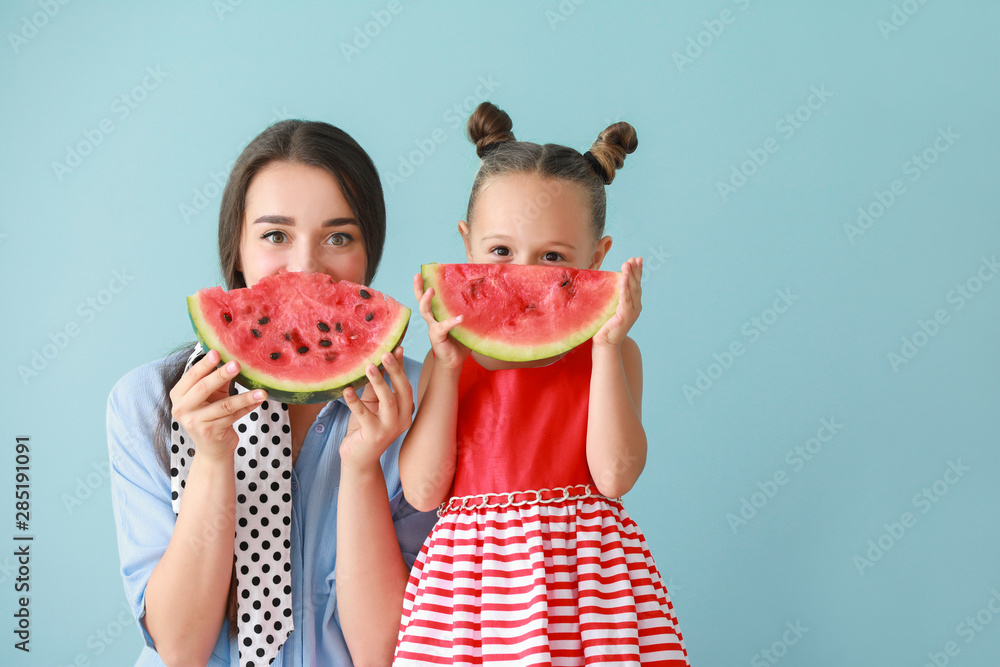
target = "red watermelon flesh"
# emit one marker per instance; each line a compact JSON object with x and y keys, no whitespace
{"x":303,"y":337}
{"x":518,"y":312}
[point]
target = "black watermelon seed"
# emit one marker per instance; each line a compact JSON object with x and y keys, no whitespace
{"x":323,"y":326}
{"x":364,"y":294}
{"x":325,"y":343}
{"x":564,"y":283}
{"x":275,"y":355}
{"x":339,"y":328}
{"x":369,"y":316}
{"x":303,"y":349}
{"x":263,"y":320}
{"x":256,"y":334}
{"x":330,"y":356}
{"x":228,"y":317}
{"x":288,"y":336}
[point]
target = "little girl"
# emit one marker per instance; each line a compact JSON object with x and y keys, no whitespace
{"x":534,"y":561}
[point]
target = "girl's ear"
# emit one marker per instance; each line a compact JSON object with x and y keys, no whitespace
{"x":600,"y":252}
{"x":463,"y":229}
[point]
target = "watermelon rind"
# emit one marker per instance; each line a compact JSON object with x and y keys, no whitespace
{"x":432,"y":276}
{"x":293,"y":392}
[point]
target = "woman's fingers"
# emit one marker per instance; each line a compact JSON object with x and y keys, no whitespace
{"x":204,"y":388}
{"x":194,"y":374}
{"x":231,"y":408}
{"x":400,"y":386}
{"x":366,"y":418}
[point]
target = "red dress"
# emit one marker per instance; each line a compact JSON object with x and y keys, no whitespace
{"x":559,"y":575}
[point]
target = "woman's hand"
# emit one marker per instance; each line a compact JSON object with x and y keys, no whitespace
{"x":380,"y":416}
{"x":202,"y":405}
{"x":448,"y":352}
{"x":613,"y":333}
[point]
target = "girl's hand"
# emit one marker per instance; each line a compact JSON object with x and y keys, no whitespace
{"x":613,"y":333}
{"x":202,"y":405}
{"x":448,"y":352}
{"x":380,"y":416}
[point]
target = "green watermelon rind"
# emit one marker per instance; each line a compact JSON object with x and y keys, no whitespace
{"x":297,"y":393}
{"x":504,"y":352}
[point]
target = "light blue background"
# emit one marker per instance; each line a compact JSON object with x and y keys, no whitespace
{"x":713,"y":263}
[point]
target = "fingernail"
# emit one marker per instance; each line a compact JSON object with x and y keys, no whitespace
{"x":231,"y":367}
{"x":388,"y":359}
{"x":258,"y":395}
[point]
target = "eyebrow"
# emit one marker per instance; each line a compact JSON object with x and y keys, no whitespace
{"x":504,"y":237}
{"x":285,"y":220}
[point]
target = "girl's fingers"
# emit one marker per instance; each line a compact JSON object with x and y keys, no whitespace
{"x":442,"y":328}
{"x":232,"y":408}
{"x":418,"y":287}
{"x":425,"y":307}
{"x":194,"y":374}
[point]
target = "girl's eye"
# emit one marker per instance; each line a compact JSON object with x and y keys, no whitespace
{"x":340,"y":239}
{"x":553,"y":257}
{"x":502,"y":251}
{"x":275,"y":236}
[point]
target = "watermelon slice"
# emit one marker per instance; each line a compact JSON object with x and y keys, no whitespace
{"x":303,"y":337}
{"x":518,"y":312}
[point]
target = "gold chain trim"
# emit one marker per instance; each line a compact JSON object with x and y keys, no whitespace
{"x":519,"y":498}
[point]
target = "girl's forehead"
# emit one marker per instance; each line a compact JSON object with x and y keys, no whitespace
{"x":531,"y":196}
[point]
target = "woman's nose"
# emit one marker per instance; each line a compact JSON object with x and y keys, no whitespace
{"x":305,"y":259}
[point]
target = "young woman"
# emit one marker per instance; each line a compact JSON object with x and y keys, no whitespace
{"x":318,"y":579}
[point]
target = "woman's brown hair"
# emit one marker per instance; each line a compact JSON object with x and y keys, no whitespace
{"x":306,"y":142}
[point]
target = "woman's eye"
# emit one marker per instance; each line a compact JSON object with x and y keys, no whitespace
{"x":552,"y":257}
{"x":340,"y":239}
{"x":275,"y":236}
{"x":501,"y":251}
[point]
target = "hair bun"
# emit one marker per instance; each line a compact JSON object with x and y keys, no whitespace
{"x":611,"y":147}
{"x":487,"y":126}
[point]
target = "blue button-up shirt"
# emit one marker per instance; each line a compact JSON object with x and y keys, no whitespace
{"x":140,"y":492}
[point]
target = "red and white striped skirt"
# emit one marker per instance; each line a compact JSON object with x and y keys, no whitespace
{"x":565,"y":583}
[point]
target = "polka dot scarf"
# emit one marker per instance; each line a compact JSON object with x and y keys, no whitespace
{"x":263,"y":464}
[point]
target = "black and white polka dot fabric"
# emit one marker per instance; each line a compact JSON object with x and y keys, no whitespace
{"x":263,"y":463}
